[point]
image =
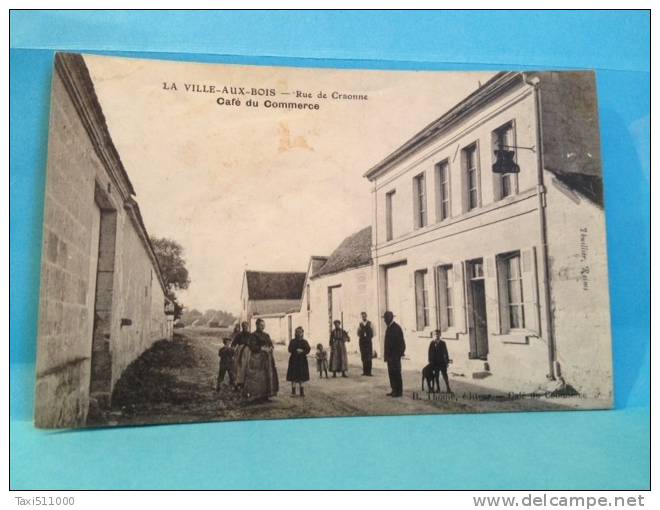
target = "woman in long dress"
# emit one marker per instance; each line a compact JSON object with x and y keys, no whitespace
{"x":260,"y":379}
{"x":298,"y":370}
{"x":338,"y":355}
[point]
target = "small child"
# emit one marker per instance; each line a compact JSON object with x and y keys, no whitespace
{"x":226,"y":355}
{"x":321,"y":361}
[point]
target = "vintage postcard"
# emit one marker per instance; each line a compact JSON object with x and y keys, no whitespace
{"x":226,"y":242}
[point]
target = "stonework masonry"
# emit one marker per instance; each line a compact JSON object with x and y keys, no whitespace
{"x":102,"y":298}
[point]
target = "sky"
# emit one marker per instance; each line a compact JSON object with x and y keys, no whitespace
{"x":258,"y":188}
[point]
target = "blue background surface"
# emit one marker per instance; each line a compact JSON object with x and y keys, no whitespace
{"x":597,"y":449}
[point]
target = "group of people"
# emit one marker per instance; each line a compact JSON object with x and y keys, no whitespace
{"x":247,"y":358}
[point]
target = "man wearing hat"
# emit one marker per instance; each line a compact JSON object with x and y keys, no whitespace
{"x":395,"y":347}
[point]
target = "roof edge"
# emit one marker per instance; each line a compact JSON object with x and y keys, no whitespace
{"x":74,"y":73}
{"x":344,"y":270}
{"x":496,"y":85}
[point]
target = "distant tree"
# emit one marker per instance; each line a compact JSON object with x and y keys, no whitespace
{"x":210,"y":315}
{"x":190,"y":316}
{"x":173,"y":269}
{"x":171,"y":261}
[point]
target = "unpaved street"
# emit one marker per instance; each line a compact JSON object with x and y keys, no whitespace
{"x":193,"y":396}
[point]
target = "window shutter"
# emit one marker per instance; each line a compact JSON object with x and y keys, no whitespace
{"x":442,"y":275}
{"x":530,"y":290}
{"x":502,"y":297}
{"x":492,"y":291}
{"x":419,"y":299}
{"x":415,"y":188}
{"x":460,"y":303}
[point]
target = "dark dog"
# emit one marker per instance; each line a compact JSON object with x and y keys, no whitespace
{"x":432,"y":378}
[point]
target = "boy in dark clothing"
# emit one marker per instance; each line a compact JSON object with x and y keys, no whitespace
{"x":226,"y":355}
{"x":439,"y":357}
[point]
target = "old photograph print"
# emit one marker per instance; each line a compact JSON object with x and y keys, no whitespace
{"x":225,"y":242}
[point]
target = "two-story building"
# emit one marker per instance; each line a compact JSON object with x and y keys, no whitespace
{"x":506,"y":257}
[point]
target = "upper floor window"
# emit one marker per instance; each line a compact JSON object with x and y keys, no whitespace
{"x":389,"y":225}
{"x":442,"y":190}
{"x":309,"y":303}
{"x":472,"y":184}
{"x":419,"y":198}
{"x":504,"y":139}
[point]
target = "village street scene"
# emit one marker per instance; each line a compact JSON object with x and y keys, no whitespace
{"x":203,"y":262}
{"x":171,"y":393}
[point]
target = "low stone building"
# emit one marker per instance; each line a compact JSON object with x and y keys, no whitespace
{"x":338,"y":287}
{"x":270,"y":296}
{"x":102,"y":298}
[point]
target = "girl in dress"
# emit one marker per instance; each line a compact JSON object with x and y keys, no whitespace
{"x":298,"y":371}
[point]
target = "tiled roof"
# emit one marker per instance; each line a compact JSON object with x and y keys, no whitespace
{"x":354,"y":251}
{"x":274,"y":285}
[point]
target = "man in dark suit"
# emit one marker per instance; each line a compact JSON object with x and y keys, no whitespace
{"x":395,"y":347}
{"x":439,"y":357}
{"x":365,"y":334}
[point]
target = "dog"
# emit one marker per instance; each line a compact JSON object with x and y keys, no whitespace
{"x":432,"y":378}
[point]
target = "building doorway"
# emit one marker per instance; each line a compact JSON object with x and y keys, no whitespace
{"x":399,"y":295}
{"x":335,"y":311}
{"x":477,"y":320}
{"x":100,"y":386}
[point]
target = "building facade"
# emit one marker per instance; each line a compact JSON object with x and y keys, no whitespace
{"x":102,"y":297}
{"x":338,"y":287}
{"x":511,"y":267}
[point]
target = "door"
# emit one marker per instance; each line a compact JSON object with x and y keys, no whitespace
{"x":93,"y":268}
{"x":335,"y":312}
{"x":101,"y":359}
{"x":399,"y":296}
{"x":477,"y":321}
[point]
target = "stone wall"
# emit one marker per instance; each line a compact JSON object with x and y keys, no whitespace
{"x":356,"y":291}
{"x":577,"y":248}
{"x":87,"y":228}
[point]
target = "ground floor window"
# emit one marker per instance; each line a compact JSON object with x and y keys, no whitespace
{"x":511,"y":291}
{"x":445,"y":297}
{"x":421,"y":299}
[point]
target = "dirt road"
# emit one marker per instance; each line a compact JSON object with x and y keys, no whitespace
{"x":192,"y":396}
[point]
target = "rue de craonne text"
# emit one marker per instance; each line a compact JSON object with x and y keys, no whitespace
{"x":229,"y":96}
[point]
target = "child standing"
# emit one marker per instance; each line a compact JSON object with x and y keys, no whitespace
{"x":439,"y":358}
{"x":321,"y":361}
{"x":226,"y":355}
{"x":298,"y":371}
